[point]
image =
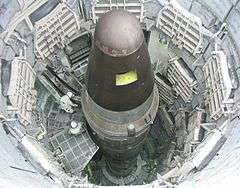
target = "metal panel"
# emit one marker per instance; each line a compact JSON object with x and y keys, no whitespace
{"x":182,"y":79}
{"x":165,"y":89}
{"x":76,"y":150}
{"x":184,"y":28}
{"x":54,"y":30}
{"x":219,"y":95}
{"x":100,"y":7}
{"x":21,"y":91}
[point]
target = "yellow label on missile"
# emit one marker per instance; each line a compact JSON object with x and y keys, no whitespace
{"x":126,"y":78}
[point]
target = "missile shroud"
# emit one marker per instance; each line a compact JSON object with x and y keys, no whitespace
{"x":120,"y":100}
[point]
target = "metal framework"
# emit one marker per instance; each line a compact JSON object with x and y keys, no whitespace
{"x":182,"y":79}
{"x":75,"y":151}
{"x":21,"y":93}
{"x":184,"y":28}
{"x":195,"y":131}
{"x":78,"y":58}
{"x":219,"y":87}
{"x":100,"y":7}
{"x":165,"y":89}
{"x":168,"y":122}
{"x":54,"y":30}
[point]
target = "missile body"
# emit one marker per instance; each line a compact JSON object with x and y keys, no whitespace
{"x":120,"y":100}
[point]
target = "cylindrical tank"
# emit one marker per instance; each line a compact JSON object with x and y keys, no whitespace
{"x":120,"y":100}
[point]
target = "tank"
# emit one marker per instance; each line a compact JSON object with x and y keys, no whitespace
{"x":120,"y":100}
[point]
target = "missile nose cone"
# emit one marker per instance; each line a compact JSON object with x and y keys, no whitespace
{"x":119,"y":75}
{"x":118,"y":33}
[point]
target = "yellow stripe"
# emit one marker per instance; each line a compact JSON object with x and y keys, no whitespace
{"x":126,"y":78}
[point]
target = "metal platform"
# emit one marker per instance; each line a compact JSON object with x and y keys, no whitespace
{"x":74,"y":151}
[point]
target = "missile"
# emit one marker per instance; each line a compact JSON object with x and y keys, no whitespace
{"x":120,"y":100}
